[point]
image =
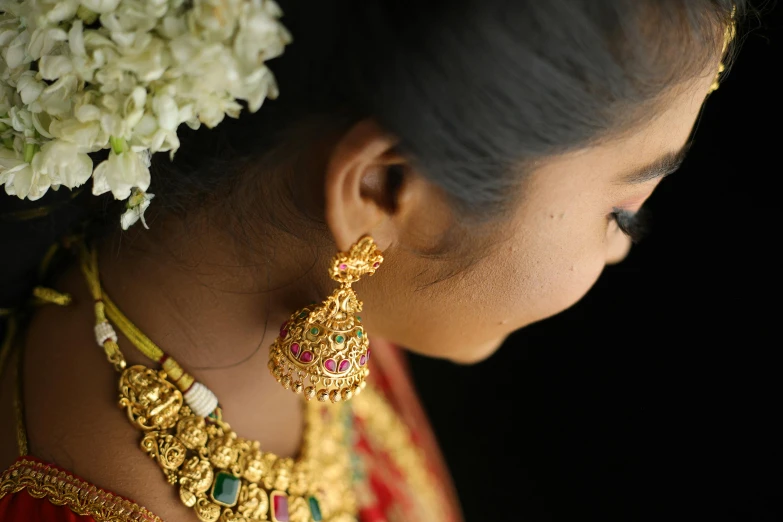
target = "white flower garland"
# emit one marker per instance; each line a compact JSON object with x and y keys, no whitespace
{"x":79,"y":76}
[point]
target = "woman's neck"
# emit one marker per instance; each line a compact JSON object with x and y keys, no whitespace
{"x":217,"y":314}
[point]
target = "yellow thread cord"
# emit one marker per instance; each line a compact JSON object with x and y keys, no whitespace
{"x":8,"y":342}
{"x":134,"y":335}
{"x":21,"y":426}
{"x":105,"y":306}
{"x":50,"y":296}
{"x":5,"y":354}
{"x":43,"y":268}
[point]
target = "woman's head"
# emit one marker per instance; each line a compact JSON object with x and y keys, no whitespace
{"x":485,"y":145}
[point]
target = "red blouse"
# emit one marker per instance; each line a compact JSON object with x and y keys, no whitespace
{"x":388,"y":489}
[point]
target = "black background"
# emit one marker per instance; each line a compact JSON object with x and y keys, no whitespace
{"x":655,"y":397}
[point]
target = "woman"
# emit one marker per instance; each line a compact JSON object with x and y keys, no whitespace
{"x":486,"y":159}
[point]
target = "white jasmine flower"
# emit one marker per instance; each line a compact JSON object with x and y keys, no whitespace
{"x":44,"y":40}
{"x":10,"y":164}
{"x":62,"y":163}
{"x":133,"y":109}
{"x":19,"y":181}
{"x":87,"y":112}
{"x":59,"y":10}
{"x":41,"y":122}
{"x":120,"y":173}
{"x":54,"y":67}
{"x":57,"y":98}
{"x":132,"y":70}
{"x":19,"y":176}
{"x":101,"y":6}
{"x":22,"y":121}
{"x":29,"y":87}
{"x":138,"y":202}
{"x":165,"y":108}
{"x":87,"y":136}
{"x":15,"y":52}
{"x":76,"y":39}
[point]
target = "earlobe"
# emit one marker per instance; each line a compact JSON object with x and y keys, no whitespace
{"x":361,"y":184}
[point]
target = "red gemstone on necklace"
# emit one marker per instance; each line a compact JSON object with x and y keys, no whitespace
{"x":362,"y":360}
{"x":279,"y":507}
{"x":330,"y":365}
{"x":376,"y":265}
{"x":306,"y":357}
{"x":344,"y":365}
{"x":295,"y":348}
{"x":343,"y":266}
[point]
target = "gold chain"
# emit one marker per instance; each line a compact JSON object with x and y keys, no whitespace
{"x":220,"y":475}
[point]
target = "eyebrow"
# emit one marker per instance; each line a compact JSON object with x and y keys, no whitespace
{"x":661,"y":167}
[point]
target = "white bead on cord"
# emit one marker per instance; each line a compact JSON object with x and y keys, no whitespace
{"x":201,"y":399}
{"x":103,"y":332}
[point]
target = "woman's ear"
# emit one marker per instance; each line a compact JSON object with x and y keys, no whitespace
{"x":366,"y":190}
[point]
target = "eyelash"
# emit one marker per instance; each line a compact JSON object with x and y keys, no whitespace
{"x":632,"y":224}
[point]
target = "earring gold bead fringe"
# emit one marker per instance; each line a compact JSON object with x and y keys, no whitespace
{"x":323,"y":351}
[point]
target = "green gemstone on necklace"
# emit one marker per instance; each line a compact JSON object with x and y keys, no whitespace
{"x":314,"y":331}
{"x":359,"y":318}
{"x":225,"y":489}
{"x":315,"y":509}
{"x":359,"y":334}
{"x":302,"y":315}
{"x":339,"y":339}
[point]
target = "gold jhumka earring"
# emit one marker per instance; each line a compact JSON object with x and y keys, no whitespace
{"x":326,"y":344}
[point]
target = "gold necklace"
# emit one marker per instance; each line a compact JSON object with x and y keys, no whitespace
{"x":221,"y":475}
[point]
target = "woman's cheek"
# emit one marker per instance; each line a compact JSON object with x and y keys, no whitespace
{"x":564,"y":283}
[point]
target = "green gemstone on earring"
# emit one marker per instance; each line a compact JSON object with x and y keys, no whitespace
{"x":314,"y":331}
{"x":339,"y":339}
{"x":302,"y":315}
{"x":359,"y":318}
{"x":359,"y":334}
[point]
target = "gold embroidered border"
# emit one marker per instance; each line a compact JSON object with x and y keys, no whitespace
{"x":388,"y":432}
{"x":62,"y":489}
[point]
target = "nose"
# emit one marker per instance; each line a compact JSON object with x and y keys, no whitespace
{"x":617,"y":244}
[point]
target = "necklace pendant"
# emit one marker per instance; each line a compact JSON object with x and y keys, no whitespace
{"x":221,"y":476}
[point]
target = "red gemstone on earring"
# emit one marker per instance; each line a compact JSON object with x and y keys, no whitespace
{"x":295,"y":348}
{"x":362,"y":360}
{"x":344,"y":365}
{"x":368,"y":354}
{"x":343,"y":266}
{"x":330,"y":365}
{"x":284,"y":329}
{"x":306,"y":357}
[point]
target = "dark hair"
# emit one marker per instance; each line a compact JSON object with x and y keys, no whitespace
{"x":470,"y":88}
